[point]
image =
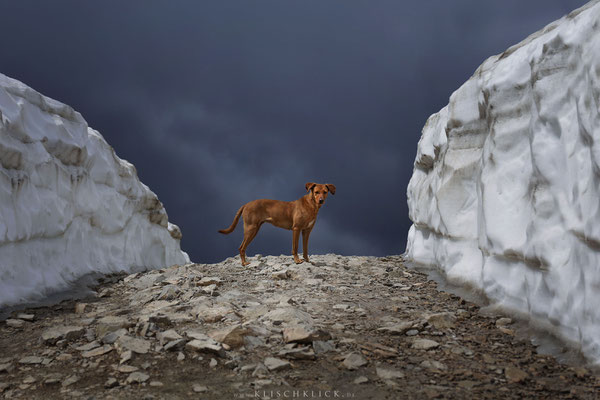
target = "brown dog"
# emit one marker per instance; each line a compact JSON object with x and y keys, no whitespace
{"x":299,"y":216}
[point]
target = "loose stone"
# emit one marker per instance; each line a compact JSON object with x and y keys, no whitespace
{"x":354,"y":361}
{"x":425,"y":344}
{"x":97,"y":351}
{"x":137,"y":377}
{"x":276,"y":364}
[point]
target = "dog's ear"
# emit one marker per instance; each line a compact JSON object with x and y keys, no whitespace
{"x":309,"y":186}
{"x":331,"y":188}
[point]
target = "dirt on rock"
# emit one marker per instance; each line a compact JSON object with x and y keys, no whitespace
{"x":338,"y":327}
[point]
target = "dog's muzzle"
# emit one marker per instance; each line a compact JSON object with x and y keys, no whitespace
{"x":321,"y":201}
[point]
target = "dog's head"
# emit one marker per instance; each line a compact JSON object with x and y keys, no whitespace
{"x":319,"y":191}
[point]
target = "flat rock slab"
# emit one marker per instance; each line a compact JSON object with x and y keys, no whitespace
{"x":232,"y":336}
{"x":204,"y":344}
{"x":252,"y":342}
{"x":175,"y":345}
{"x":388,"y":374}
{"x":31,"y":360}
{"x":6,"y":368}
{"x":26,"y":317}
{"x":168,"y":336}
{"x":169,"y":292}
{"x":399,"y":328}
{"x":281,"y":275}
{"x":15,"y":323}
{"x":210,"y":280}
{"x":514,"y":374}
{"x":322,"y":346}
{"x":199,"y":388}
{"x":301,"y":353}
{"x":113,"y":336}
{"x":98,"y":351}
{"x":69,"y":333}
{"x":354,"y":361}
{"x":146,"y":281}
{"x":126,"y":369}
{"x":70,"y":380}
{"x":503,"y":322}
{"x":136,"y":345}
{"x":137,"y":377}
{"x":110,"y":324}
{"x":211,"y":314}
{"x":276,"y":364}
{"x":443,"y":320}
{"x":88,"y":346}
{"x":424,"y":344}
{"x":304,"y":334}
{"x":52,"y":379}
{"x":433,"y":365}
{"x":111,"y":383}
{"x":289,"y":316}
{"x":126,"y":356}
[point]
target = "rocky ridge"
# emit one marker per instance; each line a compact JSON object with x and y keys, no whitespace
{"x":352,"y":327}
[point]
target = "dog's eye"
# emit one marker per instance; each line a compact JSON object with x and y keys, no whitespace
{"x":317,"y":192}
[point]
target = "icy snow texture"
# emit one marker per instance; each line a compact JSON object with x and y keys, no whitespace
{"x":505,"y":193}
{"x":68,"y":204}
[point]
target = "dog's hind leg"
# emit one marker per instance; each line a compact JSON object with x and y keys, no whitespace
{"x":250,"y":232}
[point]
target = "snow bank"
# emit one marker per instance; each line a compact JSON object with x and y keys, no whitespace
{"x":68,"y":204}
{"x":505,"y":193}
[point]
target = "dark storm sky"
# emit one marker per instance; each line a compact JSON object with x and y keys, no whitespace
{"x":218,"y":103}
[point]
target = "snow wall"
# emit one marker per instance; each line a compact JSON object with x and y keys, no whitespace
{"x":68,"y":205}
{"x":505,"y":193}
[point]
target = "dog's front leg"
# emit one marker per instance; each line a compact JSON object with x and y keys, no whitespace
{"x":305,"y":235}
{"x":295,"y":239}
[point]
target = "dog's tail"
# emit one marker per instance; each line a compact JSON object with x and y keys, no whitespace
{"x":234,"y":223}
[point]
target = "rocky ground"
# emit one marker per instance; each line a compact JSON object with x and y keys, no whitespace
{"x":339,"y":327}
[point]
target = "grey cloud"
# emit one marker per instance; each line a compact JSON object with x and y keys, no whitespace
{"x":220,"y":102}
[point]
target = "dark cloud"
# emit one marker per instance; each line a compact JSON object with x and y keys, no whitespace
{"x":218,"y":103}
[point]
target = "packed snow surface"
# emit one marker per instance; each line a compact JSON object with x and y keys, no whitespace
{"x":505,"y":193}
{"x":68,"y":205}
